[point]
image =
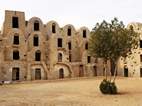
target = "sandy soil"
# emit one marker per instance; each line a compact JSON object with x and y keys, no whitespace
{"x":75,"y":92}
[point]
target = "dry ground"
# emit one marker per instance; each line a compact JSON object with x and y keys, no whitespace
{"x":75,"y":92}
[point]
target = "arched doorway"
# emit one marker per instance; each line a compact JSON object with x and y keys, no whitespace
{"x":37,"y":74}
{"x":61,"y":73}
{"x":125,"y":72}
{"x":81,"y":71}
{"x":15,"y":74}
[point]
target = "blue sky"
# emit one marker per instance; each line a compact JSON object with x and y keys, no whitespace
{"x":76,"y":12}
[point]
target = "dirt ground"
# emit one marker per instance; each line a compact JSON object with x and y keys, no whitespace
{"x":74,"y":92}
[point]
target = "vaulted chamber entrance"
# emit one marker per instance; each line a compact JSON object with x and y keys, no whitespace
{"x":15,"y":74}
{"x":37,"y":74}
{"x":81,"y":71}
{"x":125,"y":72}
{"x":61,"y":73}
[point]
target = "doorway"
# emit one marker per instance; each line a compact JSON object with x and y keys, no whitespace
{"x":81,"y":71}
{"x":125,"y":72}
{"x":15,"y":74}
{"x":61,"y":73}
{"x":37,"y":74}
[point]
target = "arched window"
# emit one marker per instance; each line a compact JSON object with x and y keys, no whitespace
{"x":36,"y":40}
{"x":16,"y":39}
{"x":37,"y":55}
{"x":69,"y":31}
{"x":84,"y":33}
{"x":36,"y":26}
{"x":60,"y":57}
{"x":53,"y":28}
{"x":16,"y":55}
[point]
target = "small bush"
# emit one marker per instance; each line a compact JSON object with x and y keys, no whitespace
{"x":107,"y":87}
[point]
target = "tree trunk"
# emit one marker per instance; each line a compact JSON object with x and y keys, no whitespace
{"x":115,"y":71}
{"x":112,"y":70}
{"x":105,"y":67}
{"x":112,"y":62}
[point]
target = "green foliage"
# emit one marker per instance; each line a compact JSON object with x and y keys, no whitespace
{"x":107,"y":87}
{"x":112,"y":40}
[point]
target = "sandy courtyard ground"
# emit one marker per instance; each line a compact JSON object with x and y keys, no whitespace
{"x":75,"y":92}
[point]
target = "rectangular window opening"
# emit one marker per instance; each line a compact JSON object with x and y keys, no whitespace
{"x":15,"y":22}
{"x":16,"y":40}
{"x":89,"y":59}
{"x":35,"y":41}
{"x":140,"y":43}
{"x":16,"y":55}
{"x":69,"y":45}
{"x":59,"y":42}
{"x":36,"y":26}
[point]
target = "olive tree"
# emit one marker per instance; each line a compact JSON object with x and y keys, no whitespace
{"x":110,"y":41}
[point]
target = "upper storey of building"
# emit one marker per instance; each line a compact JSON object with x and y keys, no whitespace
{"x":15,"y":21}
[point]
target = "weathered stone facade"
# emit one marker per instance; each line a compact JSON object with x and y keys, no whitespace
{"x":132,"y":65}
{"x":32,"y":50}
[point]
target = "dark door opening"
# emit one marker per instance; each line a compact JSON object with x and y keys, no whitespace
{"x":81,"y":71}
{"x":15,"y":74}
{"x":37,"y":74}
{"x":61,"y":73}
{"x":125,"y":72}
